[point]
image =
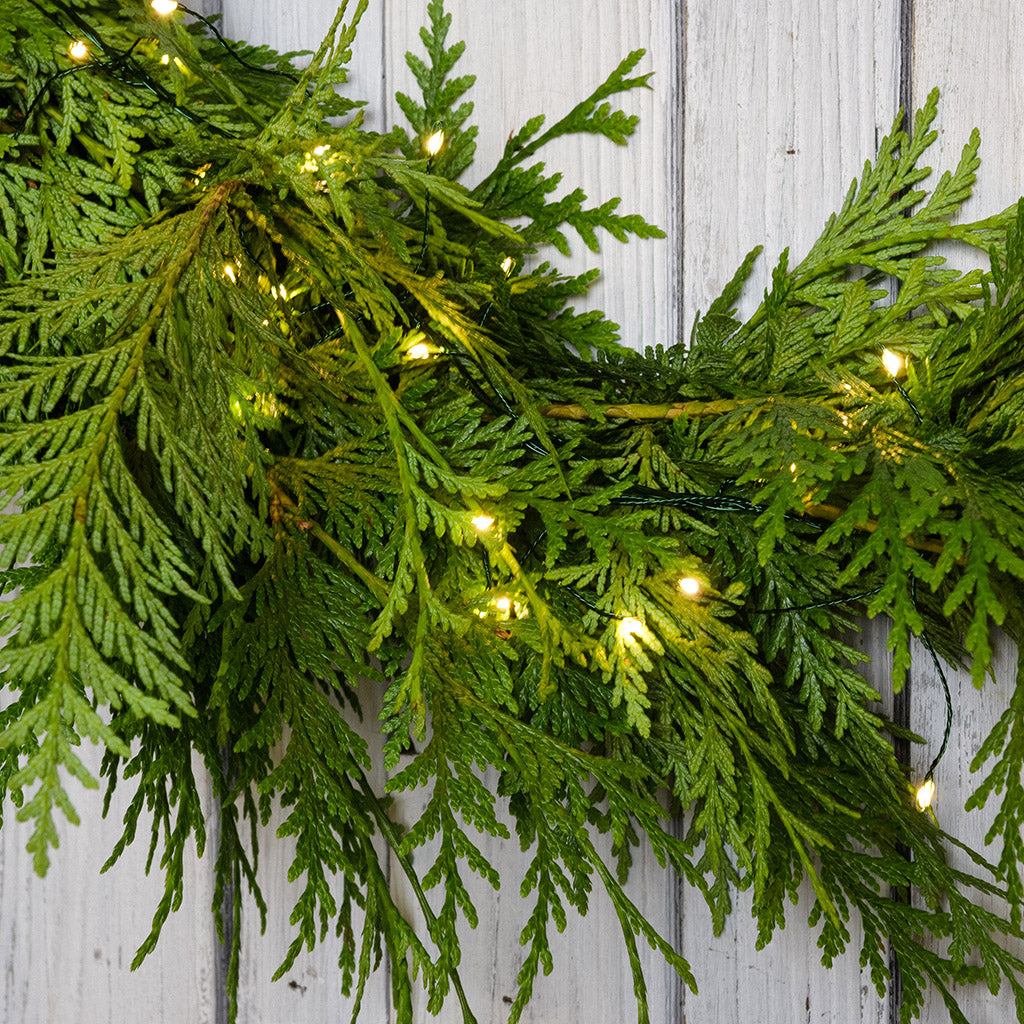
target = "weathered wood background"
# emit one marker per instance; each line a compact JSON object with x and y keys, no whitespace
{"x":761,"y":112}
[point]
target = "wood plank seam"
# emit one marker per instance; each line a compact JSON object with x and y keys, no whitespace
{"x":901,"y":706}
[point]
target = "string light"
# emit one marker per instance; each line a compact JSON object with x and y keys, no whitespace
{"x":434,"y":143}
{"x":892,"y":361}
{"x":925,"y":793}
{"x":229,"y":273}
{"x":508,"y":265}
{"x":163,"y":7}
{"x":78,"y":50}
{"x":689,"y":586}
{"x":629,"y":628}
{"x":165,"y":59}
{"x":419,"y":351}
{"x":482,"y":522}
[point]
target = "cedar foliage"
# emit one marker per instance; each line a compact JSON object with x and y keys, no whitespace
{"x":243,"y":505}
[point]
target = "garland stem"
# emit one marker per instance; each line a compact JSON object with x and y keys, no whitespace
{"x":638,"y":411}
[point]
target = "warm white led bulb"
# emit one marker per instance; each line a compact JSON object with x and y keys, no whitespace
{"x":434,"y":143}
{"x":689,"y":586}
{"x":78,"y":50}
{"x":164,"y":6}
{"x":482,"y":522}
{"x":629,"y":627}
{"x":507,"y":265}
{"x":165,"y":59}
{"x":892,"y":361}
{"x":504,"y":605}
{"x":229,"y":273}
{"x":419,"y":351}
{"x":925,"y":792}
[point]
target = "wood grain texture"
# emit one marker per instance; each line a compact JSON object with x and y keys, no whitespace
{"x":67,"y":940}
{"x":974,"y":715}
{"x":311,"y":990}
{"x":973,"y":54}
{"x":784,"y":102}
{"x":591,"y":980}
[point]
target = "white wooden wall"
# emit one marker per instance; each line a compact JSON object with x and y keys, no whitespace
{"x":761,"y":113}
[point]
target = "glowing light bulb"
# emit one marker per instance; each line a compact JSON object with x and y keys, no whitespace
{"x":320,"y":150}
{"x":164,"y":6}
{"x":504,"y":606}
{"x":420,"y":351}
{"x":689,"y":586}
{"x":892,"y":361}
{"x":629,"y":627}
{"x":165,"y":59}
{"x":434,"y":143}
{"x":792,"y":468}
{"x":507,"y":265}
{"x":925,"y":792}
{"x":78,"y":50}
{"x":482,"y":522}
{"x":229,"y":273}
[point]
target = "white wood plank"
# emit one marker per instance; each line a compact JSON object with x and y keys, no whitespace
{"x":591,"y":980}
{"x":535,"y":57}
{"x":784,"y":103}
{"x":974,"y":714}
{"x":311,"y":991}
{"x":973,"y":56}
{"x":785,"y":100}
{"x":67,"y":940}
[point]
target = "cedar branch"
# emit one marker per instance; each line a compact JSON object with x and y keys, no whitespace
{"x":672,"y":410}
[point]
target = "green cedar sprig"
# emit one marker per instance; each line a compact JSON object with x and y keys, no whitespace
{"x":251,"y":506}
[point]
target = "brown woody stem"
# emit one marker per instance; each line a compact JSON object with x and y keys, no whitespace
{"x":833,"y":512}
{"x":668,"y":411}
